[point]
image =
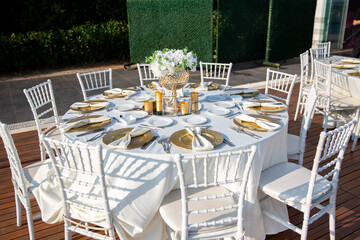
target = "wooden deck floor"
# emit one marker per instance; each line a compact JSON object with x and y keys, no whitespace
{"x":348,"y":199}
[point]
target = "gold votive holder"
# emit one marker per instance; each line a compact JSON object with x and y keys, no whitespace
{"x":148,"y":106}
{"x":194,"y":97}
{"x":184,"y":108}
{"x":158,"y":99}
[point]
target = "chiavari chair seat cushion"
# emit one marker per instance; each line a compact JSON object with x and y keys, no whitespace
{"x":171,"y":207}
{"x":290,"y":182}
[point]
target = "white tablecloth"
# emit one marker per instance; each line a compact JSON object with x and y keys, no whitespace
{"x":139,"y":180}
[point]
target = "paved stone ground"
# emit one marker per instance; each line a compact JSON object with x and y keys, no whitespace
{"x":16,"y":110}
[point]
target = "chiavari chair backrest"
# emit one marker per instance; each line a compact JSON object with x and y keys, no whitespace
{"x":210,"y":170}
{"x":17,"y":173}
{"x":42,"y":103}
{"x":145,"y":73}
{"x":280,"y":82}
{"x":328,"y":158}
{"x":92,"y":81}
{"x":215,"y":71}
{"x":304,"y":67}
{"x":325,"y":46}
{"x":80,"y":172}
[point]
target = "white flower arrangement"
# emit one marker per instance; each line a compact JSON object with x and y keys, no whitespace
{"x":169,"y":61}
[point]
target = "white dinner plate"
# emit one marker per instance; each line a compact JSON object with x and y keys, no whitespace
{"x":125,"y":107}
{"x":139,"y":114}
{"x":234,"y":91}
{"x":194,"y":120}
{"x":160,"y":122}
{"x":216,"y":98}
{"x":219,"y":111}
{"x":150,"y":93}
{"x":224,"y":104}
{"x":141,"y":98}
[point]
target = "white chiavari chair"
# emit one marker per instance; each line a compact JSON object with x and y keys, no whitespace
{"x":296,"y":144}
{"x":305,"y":83}
{"x":22,"y":179}
{"x":42,"y":103}
{"x":80,"y":173}
{"x":215,"y":71}
{"x":280,"y":82}
{"x":93,"y":81}
{"x":312,"y":192}
{"x":202,"y":208}
{"x":145,"y":73}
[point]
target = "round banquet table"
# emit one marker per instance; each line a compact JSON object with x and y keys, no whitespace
{"x":138,"y":180}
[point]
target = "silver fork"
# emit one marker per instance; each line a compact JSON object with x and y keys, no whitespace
{"x":239,"y":130}
{"x":166,"y":144}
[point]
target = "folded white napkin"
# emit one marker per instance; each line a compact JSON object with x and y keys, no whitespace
{"x":70,"y":125}
{"x":80,"y":105}
{"x":204,"y":145}
{"x":114,"y":91}
{"x":203,"y":86}
{"x":248,"y":104}
{"x":264,"y":124}
{"x":125,"y":141}
{"x":128,"y":93}
{"x":96,"y":105}
{"x":127,"y":119}
{"x":119,"y":91}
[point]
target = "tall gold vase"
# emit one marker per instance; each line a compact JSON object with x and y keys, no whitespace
{"x":173,"y":82}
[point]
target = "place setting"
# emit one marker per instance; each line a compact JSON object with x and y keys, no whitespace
{"x":205,"y":86}
{"x":197,"y":139}
{"x":264,"y":106}
{"x":119,"y":93}
{"x":89,"y":106}
{"x":87,"y":125}
{"x":129,"y":138}
{"x":244,"y":92}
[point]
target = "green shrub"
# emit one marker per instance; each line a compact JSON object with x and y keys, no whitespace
{"x":87,"y":43}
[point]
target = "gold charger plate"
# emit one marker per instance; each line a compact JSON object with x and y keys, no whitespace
{"x":118,"y":95}
{"x":183,"y":139}
{"x":211,"y":87}
{"x":354,"y":74}
{"x":89,"y":109}
{"x":344,"y":66}
{"x":136,"y":142}
{"x":267,"y":109}
{"x":254,"y":126}
{"x":245,"y":94}
{"x":88,"y":127}
{"x":350,"y":61}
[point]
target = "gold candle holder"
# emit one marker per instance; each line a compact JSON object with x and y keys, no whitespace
{"x":158,"y":99}
{"x":148,"y":106}
{"x":194,"y":96}
{"x":184,"y":108}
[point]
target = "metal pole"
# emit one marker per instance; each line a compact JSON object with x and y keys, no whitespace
{"x":266,"y":62}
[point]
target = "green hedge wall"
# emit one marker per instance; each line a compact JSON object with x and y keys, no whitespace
{"x":87,"y":43}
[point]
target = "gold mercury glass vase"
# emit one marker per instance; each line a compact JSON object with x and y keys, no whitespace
{"x":173,"y":82}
